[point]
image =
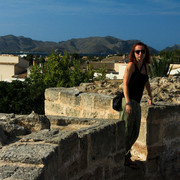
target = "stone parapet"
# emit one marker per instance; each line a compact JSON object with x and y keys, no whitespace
{"x":158,"y":143}
{"x":159,"y":138}
{"x":163,"y":141}
{"x":93,"y":150}
{"x":80,"y":137}
{"x":71,"y":102}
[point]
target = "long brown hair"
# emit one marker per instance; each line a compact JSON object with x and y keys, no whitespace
{"x":132,"y":56}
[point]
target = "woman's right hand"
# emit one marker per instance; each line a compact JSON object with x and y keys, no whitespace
{"x":128,"y":109}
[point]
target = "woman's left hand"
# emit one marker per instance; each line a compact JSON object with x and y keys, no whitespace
{"x":150,"y":102}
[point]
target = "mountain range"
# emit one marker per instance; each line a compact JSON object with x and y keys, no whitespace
{"x":176,"y":46}
{"x":91,"y":45}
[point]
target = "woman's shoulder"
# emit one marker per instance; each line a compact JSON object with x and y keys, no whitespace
{"x":131,"y":65}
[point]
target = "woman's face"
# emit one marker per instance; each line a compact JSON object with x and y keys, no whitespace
{"x":139,"y":53}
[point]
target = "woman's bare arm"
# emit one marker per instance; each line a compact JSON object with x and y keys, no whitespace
{"x":127,"y":75}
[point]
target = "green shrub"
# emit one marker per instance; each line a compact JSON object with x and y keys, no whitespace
{"x":160,"y":67}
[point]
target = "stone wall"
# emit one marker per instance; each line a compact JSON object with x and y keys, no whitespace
{"x":163,"y":142}
{"x":71,"y":102}
{"x":73,"y":148}
{"x":81,"y":138}
{"x":158,"y":142}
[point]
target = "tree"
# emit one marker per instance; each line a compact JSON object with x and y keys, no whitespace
{"x":21,"y":97}
{"x":75,"y":56}
{"x":30,"y":58}
{"x":102,"y":73}
{"x":173,"y":56}
{"x":60,"y":72}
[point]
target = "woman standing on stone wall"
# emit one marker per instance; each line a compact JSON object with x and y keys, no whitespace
{"x":135,"y":79}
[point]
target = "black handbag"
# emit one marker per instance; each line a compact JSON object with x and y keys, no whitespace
{"x":117,"y":101}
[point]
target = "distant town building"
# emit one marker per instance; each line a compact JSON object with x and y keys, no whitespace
{"x":12,"y":67}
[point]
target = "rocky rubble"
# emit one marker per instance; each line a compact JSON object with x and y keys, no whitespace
{"x":165,"y":89}
{"x":12,"y":126}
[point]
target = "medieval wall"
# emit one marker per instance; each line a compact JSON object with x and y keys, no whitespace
{"x":158,"y":143}
{"x":71,"y":102}
{"x":73,"y":148}
{"x":81,"y":138}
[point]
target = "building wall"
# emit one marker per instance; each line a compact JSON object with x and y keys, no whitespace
{"x":23,"y":63}
{"x":10,"y":66}
{"x":18,"y":69}
{"x":9,"y":59}
{"x":6,"y":72}
{"x":120,"y":68}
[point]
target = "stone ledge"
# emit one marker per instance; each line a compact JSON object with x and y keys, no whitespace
{"x":66,"y":153}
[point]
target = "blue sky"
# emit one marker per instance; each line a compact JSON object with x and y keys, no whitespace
{"x":155,"y":22}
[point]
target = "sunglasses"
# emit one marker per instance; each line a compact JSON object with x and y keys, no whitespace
{"x":138,"y":51}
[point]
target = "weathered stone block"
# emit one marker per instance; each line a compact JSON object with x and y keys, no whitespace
{"x":120,"y":136}
{"x":83,"y":152}
{"x":170,"y":165}
{"x":172,"y":130}
{"x":68,"y":92}
{"x":107,"y":173}
{"x":87,"y":100}
{"x":102,"y":142}
{"x":154,"y":134}
{"x":70,"y":97}
{"x":28,"y":153}
{"x":87,"y":176}
{"x":73,"y":169}
{"x":46,"y":135}
{"x":119,"y":159}
{"x":155,"y":151}
{"x":103,"y":102}
{"x":3,"y":137}
{"x":113,"y":115}
{"x":118,"y":172}
{"x":152,"y":166}
{"x":52,"y":94}
{"x":72,"y":112}
{"x":98,"y":173}
{"x":52,"y":108}
{"x":62,"y":173}
{"x":34,"y":122}
{"x":88,"y":113}
{"x":20,"y":172}
{"x":69,"y":148}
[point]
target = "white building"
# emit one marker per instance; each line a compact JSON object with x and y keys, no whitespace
{"x":175,"y":69}
{"x":118,"y":73}
{"x":11,"y":66}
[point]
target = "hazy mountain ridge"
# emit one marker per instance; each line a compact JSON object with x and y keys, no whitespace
{"x":176,"y":46}
{"x":91,"y":45}
{"x":11,"y":43}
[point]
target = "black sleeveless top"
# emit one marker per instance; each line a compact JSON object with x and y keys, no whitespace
{"x":137,"y":83}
